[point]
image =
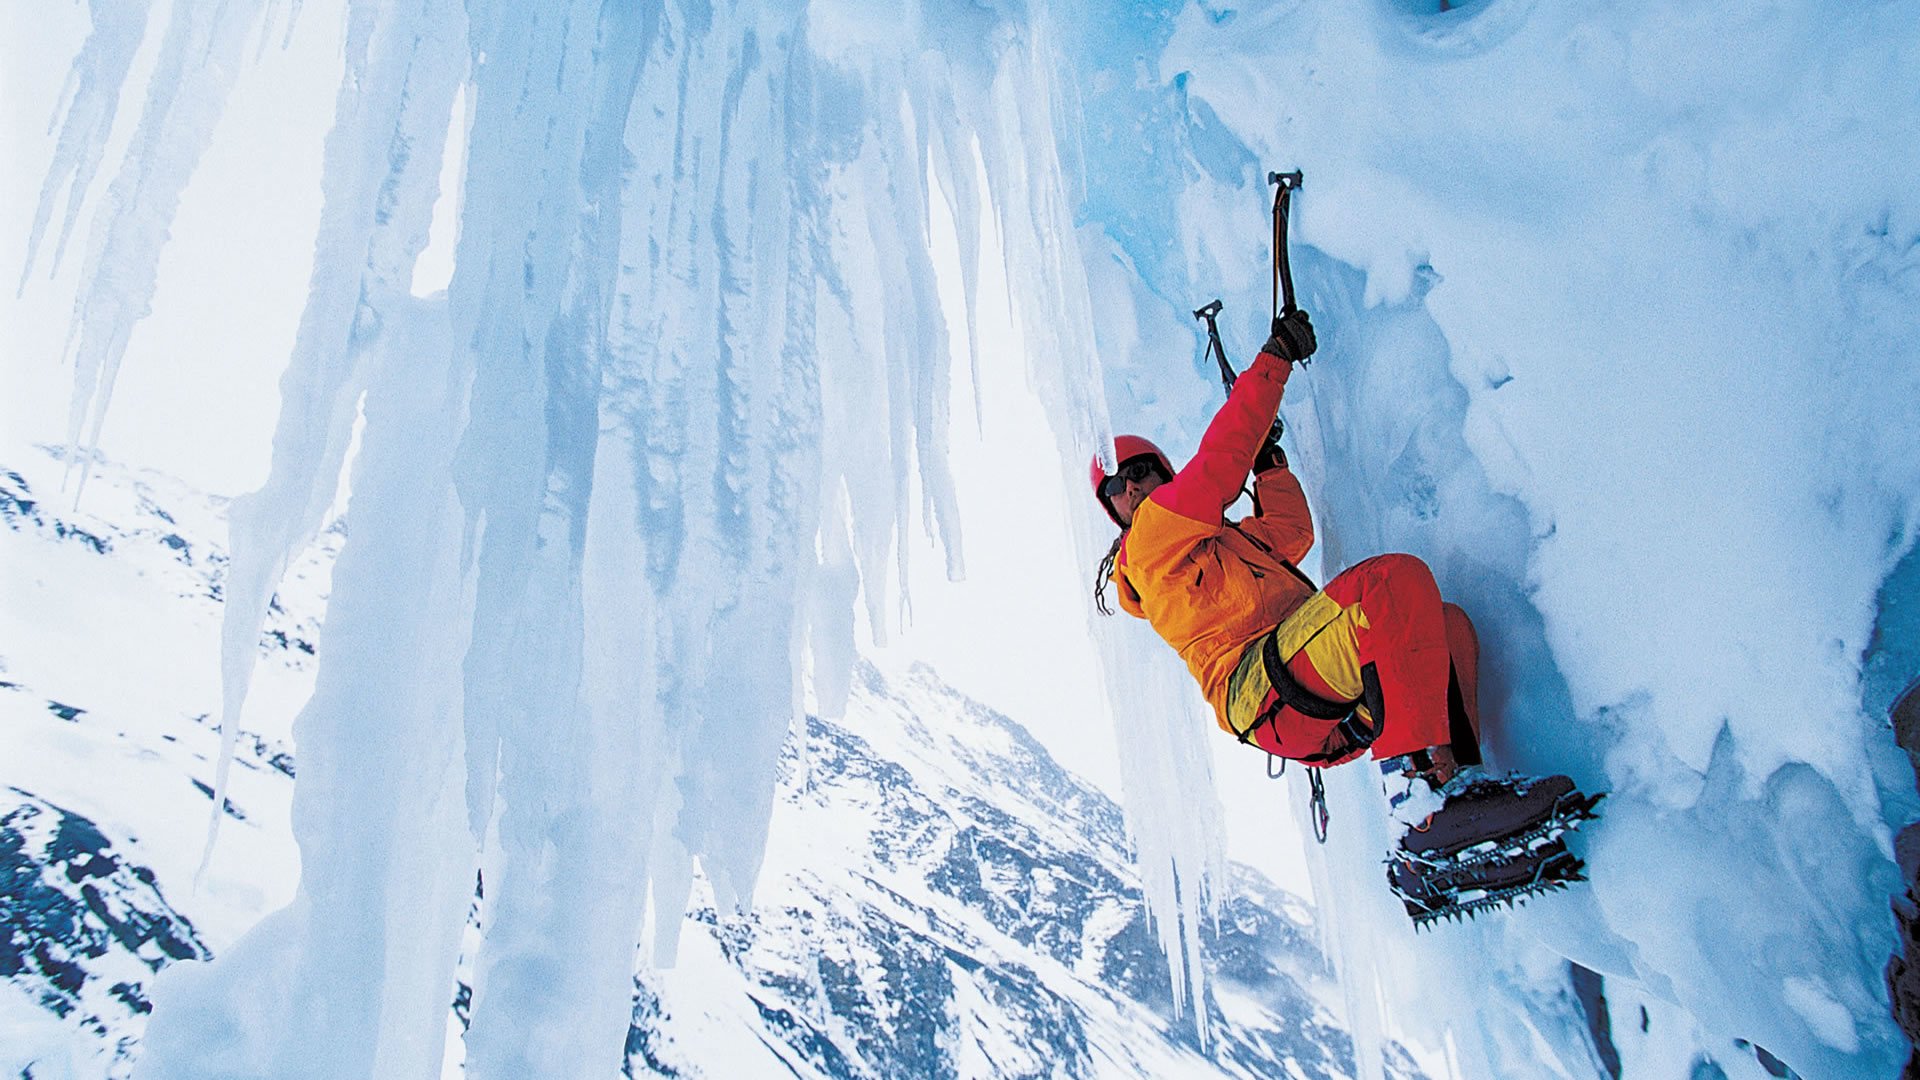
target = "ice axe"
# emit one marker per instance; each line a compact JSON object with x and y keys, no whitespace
{"x":1284,"y":186}
{"x":1214,"y":348}
{"x":1209,"y":314}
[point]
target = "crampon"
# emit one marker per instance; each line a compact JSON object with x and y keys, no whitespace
{"x":1457,"y":880}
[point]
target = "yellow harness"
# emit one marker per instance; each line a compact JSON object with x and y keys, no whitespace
{"x":1323,"y":629}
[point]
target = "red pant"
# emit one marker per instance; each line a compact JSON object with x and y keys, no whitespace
{"x":1392,"y":618}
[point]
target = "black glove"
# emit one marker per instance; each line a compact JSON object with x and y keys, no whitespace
{"x":1270,"y":455}
{"x":1292,"y":338}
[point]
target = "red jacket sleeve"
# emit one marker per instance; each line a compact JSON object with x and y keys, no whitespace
{"x":1212,"y":480}
{"x":1284,"y":522}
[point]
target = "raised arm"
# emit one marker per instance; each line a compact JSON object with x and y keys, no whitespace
{"x":1211,"y":481}
{"x":1284,"y":522}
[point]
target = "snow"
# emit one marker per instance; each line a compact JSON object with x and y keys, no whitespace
{"x":33,"y":1042}
{"x":1655,"y":267}
{"x":72,"y":603}
{"x":937,"y":893}
{"x":1617,"y":311}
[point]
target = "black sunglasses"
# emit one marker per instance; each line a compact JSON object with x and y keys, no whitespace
{"x":1134,"y":471}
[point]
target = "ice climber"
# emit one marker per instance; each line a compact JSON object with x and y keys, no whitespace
{"x":1375,"y":662}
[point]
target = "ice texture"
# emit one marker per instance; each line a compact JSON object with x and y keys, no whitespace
{"x":1618,"y":333}
{"x":383,"y":164}
{"x":685,"y":394}
{"x":91,"y":100}
{"x":198,"y":60}
{"x":1618,"y":323}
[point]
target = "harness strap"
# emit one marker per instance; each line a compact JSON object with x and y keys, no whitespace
{"x":1292,"y":694}
{"x":1352,"y":733}
{"x":1357,"y":723}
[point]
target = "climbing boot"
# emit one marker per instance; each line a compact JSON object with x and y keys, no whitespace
{"x":1473,"y":840}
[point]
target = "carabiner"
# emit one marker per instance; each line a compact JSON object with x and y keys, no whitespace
{"x":1318,"y":805}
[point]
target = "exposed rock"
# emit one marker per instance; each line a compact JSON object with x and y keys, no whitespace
{"x":1903,"y":970}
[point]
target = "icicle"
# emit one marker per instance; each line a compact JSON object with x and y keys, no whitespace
{"x":91,"y":100}
{"x":953,"y":166}
{"x":694,"y":299}
{"x":1044,"y":271}
{"x":373,"y":1002}
{"x":198,"y":61}
{"x":830,"y":628}
{"x":1175,"y":820}
{"x":1167,"y":780}
{"x":357,"y":973}
{"x":733,"y":423}
{"x":383,"y":161}
{"x":532,"y":293}
{"x":930,"y":345}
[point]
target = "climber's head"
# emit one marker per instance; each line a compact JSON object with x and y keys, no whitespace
{"x":1142,"y":468}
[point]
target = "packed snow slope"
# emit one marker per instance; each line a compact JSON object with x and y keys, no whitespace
{"x":1618,"y":311}
{"x":941,"y":898}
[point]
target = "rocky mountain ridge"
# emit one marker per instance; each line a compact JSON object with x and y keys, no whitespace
{"x":940,"y":898}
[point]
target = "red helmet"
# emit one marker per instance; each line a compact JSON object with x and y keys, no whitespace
{"x":1125,"y":449}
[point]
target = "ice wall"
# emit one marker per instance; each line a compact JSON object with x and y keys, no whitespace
{"x":617,"y":489}
{"x":1617,"y":320}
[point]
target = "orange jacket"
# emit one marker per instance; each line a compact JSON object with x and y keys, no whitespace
{"x":1209,"y":586}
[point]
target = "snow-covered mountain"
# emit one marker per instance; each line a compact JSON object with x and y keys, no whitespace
{"x":940,"y":897}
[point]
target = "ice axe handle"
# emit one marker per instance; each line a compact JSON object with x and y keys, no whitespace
{"x":1285,"y":184}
